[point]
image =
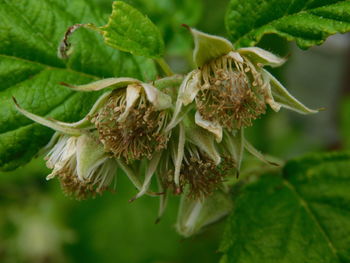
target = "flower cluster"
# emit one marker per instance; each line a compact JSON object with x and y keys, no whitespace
{"x":191,"y":142}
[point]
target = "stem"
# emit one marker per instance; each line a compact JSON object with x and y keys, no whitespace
{"x":164,"y":66}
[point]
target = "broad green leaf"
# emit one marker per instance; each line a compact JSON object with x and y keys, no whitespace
{"x":300,"y":216}
{"x":30,"y":71}
{"x":169,"y":15}
{"x":309,"y":23}
{"x":131,"y":31}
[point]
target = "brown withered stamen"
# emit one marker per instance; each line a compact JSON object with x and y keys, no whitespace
{"x":139,"y":135}
{"x":200,"y":174}
{"x":232,"y":93}
{"x":76,"y":188}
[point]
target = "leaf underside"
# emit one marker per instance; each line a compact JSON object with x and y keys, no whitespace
{"x":308,"y":23}
{"x":302,"y":216}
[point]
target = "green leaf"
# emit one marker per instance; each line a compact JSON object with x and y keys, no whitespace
{"x":30,"y":71}
{"x":345,"y":122}
{"x":129,"y":30}
{"x":309,"y":23}
{"x":301,"y":216}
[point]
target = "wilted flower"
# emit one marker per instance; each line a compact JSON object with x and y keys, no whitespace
{"x":193,"y":163}
{"x":81,"y":166}
{"x":77,"y":159}
{"x":132,"y":120}
{"x":230,"y":87}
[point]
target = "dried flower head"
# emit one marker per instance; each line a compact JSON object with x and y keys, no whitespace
{"x":230,"y":87}
{"x":130,"y":126}
{"x":195,"y":166}
{"x":80,"y":164}
{"x":232,"y":91}
{"x":76,"y":158}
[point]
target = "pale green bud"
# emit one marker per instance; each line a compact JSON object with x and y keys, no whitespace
{"x":195,"y":215}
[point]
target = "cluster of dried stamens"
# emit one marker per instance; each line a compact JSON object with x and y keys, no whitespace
{"x":139,"y":135}
{"x":232,"y":92}
{"x":199,"y":175}
{"x":74,"y":187}
{"x":97,"y":182}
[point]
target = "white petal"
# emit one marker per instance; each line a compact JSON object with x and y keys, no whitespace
{"x":159,"y":99}
{"x":236,"y":56}
{"x":190,"y":87}
{"x":259,"y":55}
{"x":180,"y":110}
{"x":132,"y":94}
{"x":214,"y":128}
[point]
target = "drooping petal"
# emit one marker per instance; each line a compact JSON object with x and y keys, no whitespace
{"x":205,"y":142}
{"x":214,"y":128}
{"x":264,"y":57}
{"x":61,"y":153}
{"x":103,"y":84}
{"x":268,"y":93}
{"x":132,"y":94}
{"x":159,"y":99}
{"x":283,"y":97}
{"x":53,"y":124}
{"x":194,"y":215}
{"x":208,"y":47}
{"x":190,"y":87}
{"x":184,"y":98}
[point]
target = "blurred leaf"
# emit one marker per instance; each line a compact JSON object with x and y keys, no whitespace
{"x":30,"y":32}
{"x":131,"y":31}
{"x":345,"y":122}
{"x":309,"y":23}
{"x":302,"y":216}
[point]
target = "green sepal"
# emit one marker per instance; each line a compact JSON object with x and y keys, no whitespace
{"x":260,"y":56}
{"x":208,"y":47}
{"x":284,"y":98}
{"x":204,"y":141}
{"x":90,"y":154}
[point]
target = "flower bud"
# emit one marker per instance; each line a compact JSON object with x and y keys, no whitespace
{"x":194,"y":215}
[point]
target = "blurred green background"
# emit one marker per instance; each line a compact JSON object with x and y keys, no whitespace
{"x":108,"y":228}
